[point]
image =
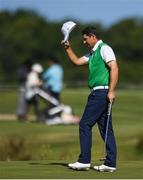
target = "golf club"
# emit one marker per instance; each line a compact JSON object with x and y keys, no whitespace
{"x":106,"y":133}
{"x":67,"y":27}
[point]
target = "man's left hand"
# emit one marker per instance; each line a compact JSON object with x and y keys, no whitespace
{"x":111,"y":96}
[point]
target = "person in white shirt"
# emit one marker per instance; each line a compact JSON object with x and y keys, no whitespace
{"x":32,"y":82}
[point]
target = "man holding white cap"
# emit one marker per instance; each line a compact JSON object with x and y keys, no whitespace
{"x":103,"y":76}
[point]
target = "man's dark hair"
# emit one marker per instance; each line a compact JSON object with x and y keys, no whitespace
{"x":90,"y":30}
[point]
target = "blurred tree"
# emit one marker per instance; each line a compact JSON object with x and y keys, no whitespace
{"x":26,"y":35}
{"x":126,"y":38}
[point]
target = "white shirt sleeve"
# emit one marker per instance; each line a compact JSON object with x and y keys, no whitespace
{"x":107,"y":53}
{"x":86,"y":57}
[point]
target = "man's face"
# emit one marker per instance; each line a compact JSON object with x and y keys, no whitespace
{"x":89,"y":40}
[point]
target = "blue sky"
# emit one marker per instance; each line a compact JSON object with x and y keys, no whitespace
{"x":104,"y":11}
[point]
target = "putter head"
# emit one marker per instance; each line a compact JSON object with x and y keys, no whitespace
{"x":67,"y":27}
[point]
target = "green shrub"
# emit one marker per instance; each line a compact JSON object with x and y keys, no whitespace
{"x":13,"y":148}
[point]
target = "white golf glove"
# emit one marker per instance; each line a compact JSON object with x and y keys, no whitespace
{"x":67,"y":27}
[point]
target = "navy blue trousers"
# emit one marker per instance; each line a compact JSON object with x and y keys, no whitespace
{"x":96,"y":112}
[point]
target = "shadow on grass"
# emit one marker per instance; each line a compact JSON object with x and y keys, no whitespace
{"x":61,"y":164}
{"x":53,"y":164}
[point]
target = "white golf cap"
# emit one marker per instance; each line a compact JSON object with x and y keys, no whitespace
{"x":37,"y":67}
{"x":67,"y":27}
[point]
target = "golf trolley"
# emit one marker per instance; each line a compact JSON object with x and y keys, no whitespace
{"x":56,"y":113}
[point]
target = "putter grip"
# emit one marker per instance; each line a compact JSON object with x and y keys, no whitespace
{"x":109,"y":108}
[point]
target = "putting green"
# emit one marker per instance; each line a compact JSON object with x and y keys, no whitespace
{"x":59,"y":170}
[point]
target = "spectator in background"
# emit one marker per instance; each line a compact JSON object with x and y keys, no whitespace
{"x":22,"y":73}
{"x":53,"y":82}
{"x":33,"y":81}
{"x":53,"y":78}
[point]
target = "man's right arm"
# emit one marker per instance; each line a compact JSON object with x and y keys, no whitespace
{"x":72,"y":56}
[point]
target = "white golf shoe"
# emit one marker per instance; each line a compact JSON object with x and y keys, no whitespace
{"x":104,"y":168}
{"x":79,"y":166}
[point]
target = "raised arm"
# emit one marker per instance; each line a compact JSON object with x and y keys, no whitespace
{"x":72,"y":56}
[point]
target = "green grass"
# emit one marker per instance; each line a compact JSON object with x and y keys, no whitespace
{"x":32,"y":150}
{"x":59,"y":170}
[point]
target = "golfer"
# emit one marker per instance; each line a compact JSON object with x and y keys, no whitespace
{"x":103,"y":76}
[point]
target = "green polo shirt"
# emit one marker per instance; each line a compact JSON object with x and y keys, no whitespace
{"x":98,"y":69}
